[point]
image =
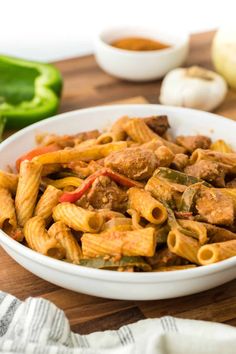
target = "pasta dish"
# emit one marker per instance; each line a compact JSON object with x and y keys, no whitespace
{"x":132,"y":198}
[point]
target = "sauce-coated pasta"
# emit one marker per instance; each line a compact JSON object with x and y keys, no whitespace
{"x":128,"y":199}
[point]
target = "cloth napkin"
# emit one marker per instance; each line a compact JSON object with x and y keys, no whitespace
{"x":38,"y":326}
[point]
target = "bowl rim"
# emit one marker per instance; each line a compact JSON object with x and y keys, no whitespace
{"x":159,"y":52}
{"x":100,"y":274}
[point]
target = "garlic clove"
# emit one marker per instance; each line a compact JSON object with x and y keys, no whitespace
{"x":193,"y":87}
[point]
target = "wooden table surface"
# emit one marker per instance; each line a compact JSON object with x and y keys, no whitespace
{"x":86,"y":85}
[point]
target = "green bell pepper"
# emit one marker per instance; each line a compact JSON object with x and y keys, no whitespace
{"x":29,"y":91}
{"x":2,"y":126}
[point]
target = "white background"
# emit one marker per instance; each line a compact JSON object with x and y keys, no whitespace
{"x":49,"y":30}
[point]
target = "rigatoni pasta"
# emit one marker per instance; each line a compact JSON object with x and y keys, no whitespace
{"x":61,"y":233}
{"x":130,"y":198}
{"x":94,"y":152}
{"x":197,"y":230}
{"x":78,"y":218}
{"x":118,"y":128}
{"x":120,"y":243}
{"x":149,"y":208}
{"x":141,"y":133}
{"x":182,"y":245}
{"x":216,"y":252}
{"x":27,"y":190}
{"x":8,"y":181}
{"x":138,"y":131}
{"x":47,"y":202}
{"x":39,"y":240}
{"x":221,"y":146}
{"x":7,"y":209}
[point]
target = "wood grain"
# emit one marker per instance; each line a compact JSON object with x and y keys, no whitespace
{"x":87,"y":85}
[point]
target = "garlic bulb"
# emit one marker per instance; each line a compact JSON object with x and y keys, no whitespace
{"x":224,"y":54}
{"x":193,"y":87}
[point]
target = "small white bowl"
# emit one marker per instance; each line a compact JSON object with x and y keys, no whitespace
{"x":140,"y":65}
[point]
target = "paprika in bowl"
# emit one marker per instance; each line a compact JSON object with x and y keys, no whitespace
{"x":138,"y":54}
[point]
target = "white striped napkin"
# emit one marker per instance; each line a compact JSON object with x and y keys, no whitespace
{"x":39,"y":327}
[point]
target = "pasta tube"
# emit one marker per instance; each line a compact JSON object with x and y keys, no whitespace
{"x":138,"y":130}
{"x":117,"y":243}
{"x":162,"y":190}
{"x":216,"y":252}
{"x":63,"y":235}
{"x":182,"y":245}
{"x":118,"y":128}
{"x":221,"y":146}
{"x":94,"y":152}
{"x":228,"y":159}
{"x":147,"y":206}
{"x":197,"y":230}
{"x":39,"y":240}
{"x":86,"y":143}
{"x":77,"y":218}
{"x":8,"y":181}
{"x":135,"y":217}
{"x":27,"y":190}
{"x":7,"y":209}
{"x":106,"y":138}
{"x":47,"y":202}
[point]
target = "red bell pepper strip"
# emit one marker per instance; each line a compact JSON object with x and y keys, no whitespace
{"x":117,"y":177}
{"x":36,"y":152}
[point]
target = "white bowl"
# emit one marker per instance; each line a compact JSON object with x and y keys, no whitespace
{"x":104,"y":283}
{"x":140,"y":65}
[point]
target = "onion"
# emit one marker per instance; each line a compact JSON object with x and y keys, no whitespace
{"x":224,"y":54}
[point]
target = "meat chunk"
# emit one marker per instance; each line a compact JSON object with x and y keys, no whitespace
{"x":211,"y":171}
{"x":191,"y":143}
{"x":215,"y":207}
{"x":83,"y":169}
{"x":105,"y":194}
{"x":135,"y":163}
{"x":159,"y":124}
